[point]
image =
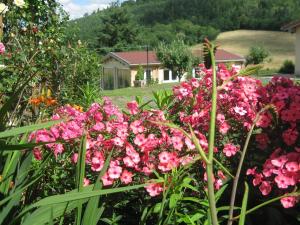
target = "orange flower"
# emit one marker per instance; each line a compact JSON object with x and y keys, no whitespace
{"x":50,"y":101}
{"x":35,"y":101}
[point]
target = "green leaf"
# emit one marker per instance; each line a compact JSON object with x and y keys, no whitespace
{"x":27,"y":129}
{"x":244,"y":205}
{"x":157,"y":207}
{"x":73,"y":196}
{"x":220,"y":192}
{"x":174,"y":198}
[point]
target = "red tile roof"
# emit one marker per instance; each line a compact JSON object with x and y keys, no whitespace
{"x":221,"y":55}
{"x":137,"y":57}
{"x":140,"y":57}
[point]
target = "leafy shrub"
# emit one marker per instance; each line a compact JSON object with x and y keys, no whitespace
{"x":257,"y":55}
{"x":288,"y":67}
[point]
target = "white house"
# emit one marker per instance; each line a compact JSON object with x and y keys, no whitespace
{"x":120,"y":68}
{"x":294,"y":27}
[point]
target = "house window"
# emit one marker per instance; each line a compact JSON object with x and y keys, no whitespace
{"x":174,"y":76}
{"x":166,"y":75}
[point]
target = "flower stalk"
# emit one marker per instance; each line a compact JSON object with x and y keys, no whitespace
{"x":211,"y":142}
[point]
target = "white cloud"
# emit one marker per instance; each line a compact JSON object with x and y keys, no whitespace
{"x":76,"y":9}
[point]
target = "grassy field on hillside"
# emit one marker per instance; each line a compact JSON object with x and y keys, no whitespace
{"x":279,"y":44}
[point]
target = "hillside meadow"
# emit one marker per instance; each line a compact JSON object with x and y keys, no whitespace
{"x":279,"y":44}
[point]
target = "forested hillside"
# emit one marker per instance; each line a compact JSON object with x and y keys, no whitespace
{"x":136,"y":23}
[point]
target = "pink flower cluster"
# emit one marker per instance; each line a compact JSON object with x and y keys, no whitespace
{"x":139,"y":145}
{"x":280,"y":139}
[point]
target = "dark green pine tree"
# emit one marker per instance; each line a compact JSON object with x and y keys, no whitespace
{"x":117,"y":31}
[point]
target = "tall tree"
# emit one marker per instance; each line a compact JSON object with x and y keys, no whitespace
{"x":117,"y":29}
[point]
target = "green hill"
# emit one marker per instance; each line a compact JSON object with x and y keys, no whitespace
{"x":191,"y":20}
{"x":279,"y":44}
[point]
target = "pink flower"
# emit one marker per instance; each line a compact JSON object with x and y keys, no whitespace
{"x":282,"y":181}
{"x":264,"y":120}
{"x":75,"y":157}
{"x":230,"y":149}
{"x":139,"y":140}
{"x":2,"y":48}
{"x":292,"y":166}
{"x":114,"y":172}
{"x":137,"y":127}
{"x":98,"y":127}
{"x":224,"y":127}
{"x":97,"y":164}
{"x":126,"y":177}
{"x":58,"y":149}
{"x":128,"y":162}
{"x":288,"y":202}
{"x":133,"y":107}
{"x":37,"y":153}
{"x":265,"y":188}
{"x":107,"y":180}
{"x":86,"y":182}
{"x":98,"y":117}
{"x":290,"y":136}
{"x":164,"y":157}
{"x":118,"y":141}
{"x":189,"y":143}
{"x":154,"y":189}
{"x":280,"y":161}
{"x":177,"y":142}
{"x":257,"y":179}
{"x":251,"y":171}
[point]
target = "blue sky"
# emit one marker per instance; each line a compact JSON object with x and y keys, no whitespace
{"x":76,"y":8}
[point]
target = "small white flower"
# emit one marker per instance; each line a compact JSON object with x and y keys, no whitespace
{"x":40,"y":43}
{"x":240,"y":110}
{"x":19,"y":3}
{"x":3,"y":8}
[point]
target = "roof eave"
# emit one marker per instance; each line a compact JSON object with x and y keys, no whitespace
{"x":231,"y":60}
{"x":145,"y":64}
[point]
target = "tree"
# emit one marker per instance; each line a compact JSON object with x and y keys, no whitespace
{"x":175,"y":56}
{"x":117,"y":29}
{"x":257,"y":55}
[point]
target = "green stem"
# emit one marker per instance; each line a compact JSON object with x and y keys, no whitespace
{"x":165,"y":194}
{"x":239,"y":169}
{"x":223,"y":168}
{"x":211,"y":142}
{"x":267,"y":203}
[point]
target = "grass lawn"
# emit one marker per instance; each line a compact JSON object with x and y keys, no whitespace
{"x":121,"y":96}
{"x":281,"y":45}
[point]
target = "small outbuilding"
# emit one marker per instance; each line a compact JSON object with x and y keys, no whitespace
{"x":294,"y":27}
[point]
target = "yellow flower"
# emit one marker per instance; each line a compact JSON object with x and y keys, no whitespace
{"x":3,"y":8}
{"x":19,"y":3}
